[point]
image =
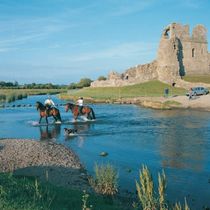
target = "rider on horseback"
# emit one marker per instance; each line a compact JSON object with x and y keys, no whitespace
{"x":48,"y":104}
{"x":80,"y":104}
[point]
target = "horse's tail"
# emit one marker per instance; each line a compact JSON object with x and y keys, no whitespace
{"x":58,"y":115}
{"x":93,"y":114}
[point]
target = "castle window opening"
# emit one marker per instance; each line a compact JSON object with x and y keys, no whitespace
{"x":167,"y":33}
{"x":174,"y":47}
{"x":193,"y":52}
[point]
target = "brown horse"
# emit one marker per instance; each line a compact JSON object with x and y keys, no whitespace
{"x":80,"y":110}
{"x":52,"y":112}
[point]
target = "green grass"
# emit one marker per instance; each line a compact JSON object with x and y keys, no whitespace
{"x":154,"y":197}
{"x":152,"y":88}
{"x":10,"y":95}
{"x":22,"y":193}
{"x":198,"y":78}
{"x":30,"y":91}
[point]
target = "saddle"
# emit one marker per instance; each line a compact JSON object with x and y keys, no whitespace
{"x":48,"y":108}
{"x":80,"y":109}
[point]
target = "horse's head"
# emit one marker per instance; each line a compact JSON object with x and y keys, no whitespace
{"x":39,"y":105}
{"x":68,"y":106}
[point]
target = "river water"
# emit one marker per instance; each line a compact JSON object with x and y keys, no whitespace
{"x":177,"y":141}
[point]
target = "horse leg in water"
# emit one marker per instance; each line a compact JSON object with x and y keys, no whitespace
{"x":91,"y":114}
{"x":88,"y":115}
{"x":55,"y":118}
{"x":46,"y":119}
{"x":76,"y":116}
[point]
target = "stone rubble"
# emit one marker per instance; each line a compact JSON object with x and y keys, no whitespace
{"x":46,"y":160}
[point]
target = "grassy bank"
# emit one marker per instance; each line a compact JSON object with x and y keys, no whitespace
{"x":152,"y":88}
{"x":22,"y":193}
{"x":198,"y":78}
{"x":27,"y":193}
{"x":9,"y":95}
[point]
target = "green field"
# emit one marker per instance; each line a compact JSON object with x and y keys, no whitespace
{"x":152,"y":88}
{"x":9,"y":95}
{"x":31,"y":91}
{"x":198,"y":78}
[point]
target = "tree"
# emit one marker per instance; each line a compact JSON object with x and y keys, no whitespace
{"x":72,"y":85}
{"x":16,"y":84}
{"x":101,"y":78}
{"x":85,"y":82}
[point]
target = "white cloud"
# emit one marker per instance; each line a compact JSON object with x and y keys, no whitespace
{"x":121,"y":51}
{"x":20,"y":31}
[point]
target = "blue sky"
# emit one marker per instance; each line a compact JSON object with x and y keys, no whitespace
{"x":62,"y":41}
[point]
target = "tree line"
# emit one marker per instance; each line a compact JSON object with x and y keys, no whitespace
{"x":84,"y":82}
{"x":16,"y":85}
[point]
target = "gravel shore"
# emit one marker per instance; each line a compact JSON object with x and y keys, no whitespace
{"x":46,"y":160}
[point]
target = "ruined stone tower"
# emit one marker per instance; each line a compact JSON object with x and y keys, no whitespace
{"x":179,"y":54}
{"x":192,"y":51}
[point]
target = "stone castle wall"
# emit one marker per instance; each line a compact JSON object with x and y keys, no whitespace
{"x":209,"y":61}
{"x":179,"y":54}
{"x":142,"y":73}
{"x":134,"y":75}
{"x":193,"y":49}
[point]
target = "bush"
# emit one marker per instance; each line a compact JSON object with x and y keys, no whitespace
{"x":85,"y":82}
{"x":2,"y":97}
{"x":19,"y":97}
{"x":148,"y":197}
{"x":178,"y":206}
{"x":11,"y":98}
{"x":72,"y":86}
{"x":101,"y":78}
{"x":146,"y":192}
{"x":106,"y":178}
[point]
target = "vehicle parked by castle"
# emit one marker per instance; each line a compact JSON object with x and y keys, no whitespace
{"x":196,"y":91}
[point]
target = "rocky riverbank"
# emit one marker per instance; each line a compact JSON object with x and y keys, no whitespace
{"x":46,"y":160}
{"x":172,"y":102}
{"x":178,"y":102}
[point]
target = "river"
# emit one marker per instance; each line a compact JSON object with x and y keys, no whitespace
{"x":177,"y":141}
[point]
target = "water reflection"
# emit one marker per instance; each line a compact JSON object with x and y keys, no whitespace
{"x":83,"y":130}
{"x":178,"y":141}
{"x":181,"y":140}
{"x":49,"y":132}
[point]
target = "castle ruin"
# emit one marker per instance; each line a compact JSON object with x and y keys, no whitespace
{"x":179,"y":54}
